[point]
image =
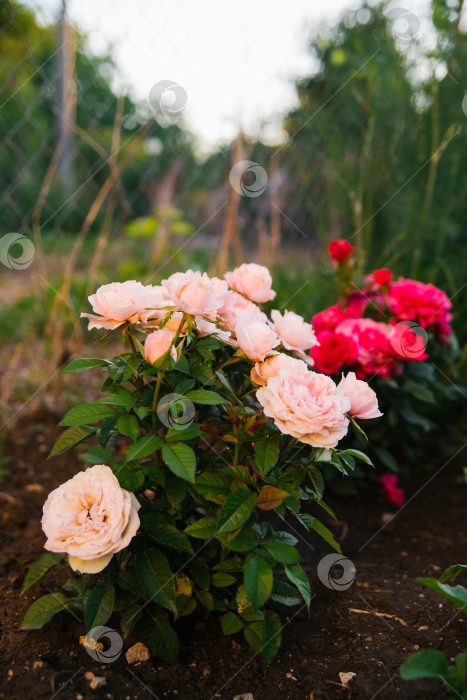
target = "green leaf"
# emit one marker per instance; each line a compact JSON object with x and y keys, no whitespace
{"x":231,"y":623}
{"x":280,"y":551}
{"x":266,"y":454}
{"x":297,"y":576}
{"x":206,"y":599}
{"x":419,"y":391}
{"x":128,"y":426}
{"x":180,"y":459}
{"x":254,"y":635}
{"x":242,"y":542}
{"x":130,"y":476}
{"x":258,"y":579}
{"x":98,"y":455}
{"x":272,"y":635}
{"x":206,"y":527}
{"x":43,"y":610}
{"x":156,"y":578}
{"x":456,"y":594}
{"x":188,"y":433}
{"x":119,"y":400}
{"x":284,"y":593}
{"x":214,"y":485}
{"x":305,"y":519}
{"x":83,"y":364}
{"x":166,"y":534}
{"x":40,"y":568}
{"x":237,"y":508}
{"x":87,"y":413}
{"x":358,"y":455}
{"x":427,"y":663}
{"x":70,"y":438}
{"x":164,"y":641}
{"x":204,"y":396}
{"x":144,"y":447}
{"x":175,"y":489}
{"x":221,"y":579}
{"x":99,"y":605}
{"x":231,"y":564}
{"x":326,"y":534}
{"x":129,"y":616}
{"x":452,"y":572}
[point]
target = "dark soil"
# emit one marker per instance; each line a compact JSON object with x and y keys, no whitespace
{"x":426,"y":536}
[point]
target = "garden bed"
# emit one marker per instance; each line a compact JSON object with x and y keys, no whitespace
{"x":421,"y":541}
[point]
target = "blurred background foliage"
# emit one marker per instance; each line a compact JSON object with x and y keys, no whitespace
{"x":375,"y":153}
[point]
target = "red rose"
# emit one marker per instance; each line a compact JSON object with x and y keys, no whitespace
{"x":393,"y":493}
{"x":382,"y":276}
{"x":340,"y":249}
{"x":334,"y":351}
{"x":330,"y":318}
{"x":425,"y":304}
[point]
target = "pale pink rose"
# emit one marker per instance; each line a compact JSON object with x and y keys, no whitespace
{"x":252,"y":280}
{"x":119,"y":302}
{"x":306,"y":405}
{"x":235,"y":306}
{"x":157,"y":344}
{"x":272,"y":366}
{"x":363,"y":400}
{"x":90,"y":517}
{"x":255,"y":338}
{"x":195,"y":293}
{"x":293,"y":331}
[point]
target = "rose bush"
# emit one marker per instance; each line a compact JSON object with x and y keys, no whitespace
{"x":396,"y":335}
{"x":209,"y":419}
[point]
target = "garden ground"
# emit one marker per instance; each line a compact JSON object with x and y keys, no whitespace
{"x":425,"y":537}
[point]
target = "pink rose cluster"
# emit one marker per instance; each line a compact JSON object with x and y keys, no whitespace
{"x":226,"y":307}
{"x":404,"y":312}
{"x":309,"y":406}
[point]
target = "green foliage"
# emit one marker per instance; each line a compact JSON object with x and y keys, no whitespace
{"x":430,"y":663}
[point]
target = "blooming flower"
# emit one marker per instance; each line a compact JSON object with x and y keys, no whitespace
{"x":235,"y":305}
{"x":90,"y":517}
{"x":118,"y":302}
{"x":306,"y":405}
{"x":195,"y":293}
{"x":157,"y":344}
{"x":335,"y":350}
{"x":252,"y":280}
{"x":273,"y":365}
{"x":425,"y":304}
{"x":382,"y":276}
{"x":294,"y":332}
{"x":340,"y":249}
{"x":363,"y":400}
{"x":393,"y":493}
{"x":255,"y":338}
{"x":375,"y":352}
{"x":329,"y":319}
